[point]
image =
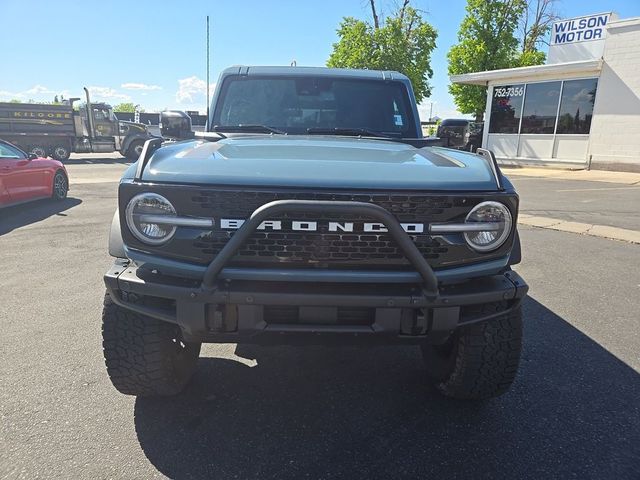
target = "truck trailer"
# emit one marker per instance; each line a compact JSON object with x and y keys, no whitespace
{"x":59,"y":130}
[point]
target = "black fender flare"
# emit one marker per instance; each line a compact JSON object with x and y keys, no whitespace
{"x":116,"y":244}
{"x":516,"y":251}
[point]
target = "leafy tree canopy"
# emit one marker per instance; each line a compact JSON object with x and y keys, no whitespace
{"x":496,"y":34}
{"x":125,"y":107}
{"x":401,"y":42}
{"x":486,"y":41}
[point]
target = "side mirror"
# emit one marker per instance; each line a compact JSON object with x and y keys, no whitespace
{"x":31,"y":156}
{"x":176,"y":125}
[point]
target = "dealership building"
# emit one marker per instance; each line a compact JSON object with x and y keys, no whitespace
{"x":581,"y":109}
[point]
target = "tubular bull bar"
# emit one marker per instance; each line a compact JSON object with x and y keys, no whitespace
{"x":193,"y":303}
{"x":279,"y":207}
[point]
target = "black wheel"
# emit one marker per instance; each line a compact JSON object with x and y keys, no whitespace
{"x":478,"y":361}
{"x":135,"y":149}
{"x":60,"y":186}
{"x":61,"y":153}
{"x":145,"y":356}
{"x":40,"y":151}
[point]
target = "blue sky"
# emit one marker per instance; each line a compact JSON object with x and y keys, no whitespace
{"x":152,"y":53}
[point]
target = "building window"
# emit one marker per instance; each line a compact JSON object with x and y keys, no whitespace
{"x":576,"y":106}
{"x":540,"y":108}
{"x":506,"y":106}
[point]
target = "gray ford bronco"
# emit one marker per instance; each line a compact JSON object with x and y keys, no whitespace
{"x":313,"y":211}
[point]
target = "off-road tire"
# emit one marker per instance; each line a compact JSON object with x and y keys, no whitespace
{"x":60,"y":186}
{"x":479,"y":361}
{"x":134,"y":150}
{"x":145,"y":356}
{"x":61,"y":153}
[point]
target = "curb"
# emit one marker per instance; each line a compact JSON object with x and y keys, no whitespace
{"x":602,"y":231}
{"x":623,"y":178}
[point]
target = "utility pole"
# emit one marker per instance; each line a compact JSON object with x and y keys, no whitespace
{"x":431,"y":112}
{"x":207,"y":71}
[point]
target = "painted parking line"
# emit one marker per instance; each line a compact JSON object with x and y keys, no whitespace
{"x":598,"y":189}
{"x":602,"y":231}
{"x":81,"y":181}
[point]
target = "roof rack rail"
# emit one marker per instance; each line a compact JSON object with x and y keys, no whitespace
{"x":493,"y":164}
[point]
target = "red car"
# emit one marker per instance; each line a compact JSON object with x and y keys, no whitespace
{"x":25,"y":177}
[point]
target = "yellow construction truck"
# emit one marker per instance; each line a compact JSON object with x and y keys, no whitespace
{"x":59,"y":130}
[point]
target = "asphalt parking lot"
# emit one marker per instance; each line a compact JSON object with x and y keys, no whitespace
{"x":280,"y":412}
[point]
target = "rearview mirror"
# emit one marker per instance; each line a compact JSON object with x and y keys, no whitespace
{"x":31,"y":156}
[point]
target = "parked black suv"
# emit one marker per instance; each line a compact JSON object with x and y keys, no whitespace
{"x":461,"y":134}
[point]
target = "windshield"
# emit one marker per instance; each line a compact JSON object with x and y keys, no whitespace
{"x":296,"y":104}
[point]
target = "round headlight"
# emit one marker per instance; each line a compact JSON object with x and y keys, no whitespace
{"x":495,"y":215}
{"x":144,"y":218}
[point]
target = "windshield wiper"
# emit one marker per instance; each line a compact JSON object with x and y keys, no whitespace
{"x":354,"y":132}
{"x":247,"y":128}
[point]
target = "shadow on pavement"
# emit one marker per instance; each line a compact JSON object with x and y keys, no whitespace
{"x":367,"y":413}
{"x":32,"y":212}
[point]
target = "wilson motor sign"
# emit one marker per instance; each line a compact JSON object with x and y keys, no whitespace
{"x":579,"y":29}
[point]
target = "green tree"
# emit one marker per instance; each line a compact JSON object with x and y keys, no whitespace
{"x":402,"y":42}
{"x":535,"y":24}
{"x":487,"y":40}
{"x":125,"y":107}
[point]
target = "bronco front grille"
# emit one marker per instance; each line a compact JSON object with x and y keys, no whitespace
{"x":320,"y":248}
{"x":406,"y":208}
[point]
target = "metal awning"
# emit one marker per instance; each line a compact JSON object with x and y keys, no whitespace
{"x":583,"y":67}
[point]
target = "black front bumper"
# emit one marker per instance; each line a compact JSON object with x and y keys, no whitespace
{"x":247,"y":311}
{"x":218,"y":309}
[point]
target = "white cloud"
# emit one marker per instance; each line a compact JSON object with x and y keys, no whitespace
{"x":423,"y":110}
{"x":107,"y":93}
{"x":440,"y":111}
{"x":582,"y":96}
{"x":5,"y":95}
{"x":38,"y":90}
{"x":192,"y":90}
{"x":37,"y":93}
{"x":140,"y":86}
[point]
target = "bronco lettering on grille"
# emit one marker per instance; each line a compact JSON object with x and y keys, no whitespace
{"x":309,"y":226}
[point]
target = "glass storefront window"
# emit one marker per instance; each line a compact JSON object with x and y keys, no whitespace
{"x":540,"y":112}
{"x":506,"y":106}
{"x":540,"y":108}
{"x":576,"y":106}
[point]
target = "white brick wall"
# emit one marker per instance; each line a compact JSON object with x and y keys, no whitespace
{"x":615,"y":128}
